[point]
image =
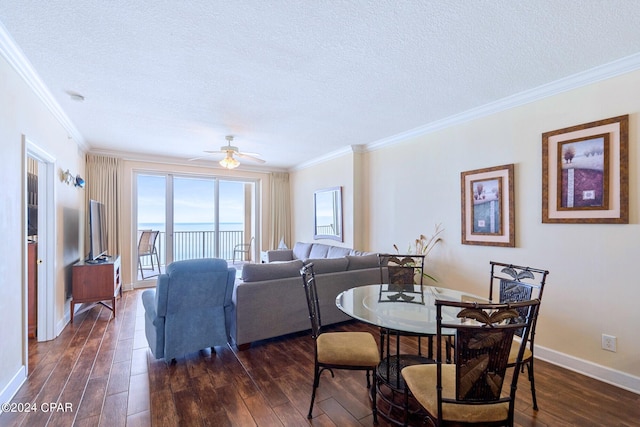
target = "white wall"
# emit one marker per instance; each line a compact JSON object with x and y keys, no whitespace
{"x":337,"y":172}
{"x":22,"y":113}
{"x":591,"y":288}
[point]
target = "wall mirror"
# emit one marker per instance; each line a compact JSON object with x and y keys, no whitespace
{"x":328,"y":213}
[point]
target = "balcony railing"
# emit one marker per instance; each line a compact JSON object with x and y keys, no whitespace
{"x":197,"y":244}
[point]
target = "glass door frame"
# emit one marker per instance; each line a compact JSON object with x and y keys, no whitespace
{"x":254,"y":214}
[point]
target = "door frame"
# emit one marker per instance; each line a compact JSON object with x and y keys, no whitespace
{"x":47,"y":235}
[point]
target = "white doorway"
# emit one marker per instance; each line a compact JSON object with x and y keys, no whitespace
{"x":46,"y":238}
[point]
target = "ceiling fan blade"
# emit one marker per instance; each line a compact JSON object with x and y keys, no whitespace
{"x":215,"y":152}
{"x":248,"y":153}
{"x":250,"y":157}
{"x":197,"y":158}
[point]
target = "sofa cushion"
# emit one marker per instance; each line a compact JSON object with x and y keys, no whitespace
{"x":280,"y":255}
{"x":338,"y":252}
{"x":301,"y":250}
{"x":279,"y":270}
{"x":365,"y":261}
{"x":318,"y":250}
{"x":328,"y":265}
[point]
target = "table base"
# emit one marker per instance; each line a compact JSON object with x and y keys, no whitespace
{"x":390,"y":387}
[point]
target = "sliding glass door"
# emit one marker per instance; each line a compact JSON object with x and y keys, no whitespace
{"x":197,"y":217}
{"x":194,"y":218}
{"x":151,"y":217}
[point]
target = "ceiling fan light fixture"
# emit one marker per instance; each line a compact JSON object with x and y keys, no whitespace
{"x":229,"y":162}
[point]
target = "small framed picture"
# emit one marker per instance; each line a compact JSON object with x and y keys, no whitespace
{"x":488,"y":214}
{"x":585,"y":173}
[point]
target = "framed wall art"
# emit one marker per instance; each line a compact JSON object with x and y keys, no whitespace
{"x":488,"y":213}
{"x":585,"y":174}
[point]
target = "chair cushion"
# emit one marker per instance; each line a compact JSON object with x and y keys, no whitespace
{"x":421,"y":380}
{"x":348,"y":349}
{"x":513,"y":353}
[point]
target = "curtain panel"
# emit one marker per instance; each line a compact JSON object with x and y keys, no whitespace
{"x":280,"y":227}
{"x":103,"y":175}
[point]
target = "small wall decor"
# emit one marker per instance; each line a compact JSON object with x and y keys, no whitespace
{"x":68,"y":178}
{"x":488,"y":213}
{"x":585,"y":173}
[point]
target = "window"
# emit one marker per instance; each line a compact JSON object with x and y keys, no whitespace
{"x":197,"y":217}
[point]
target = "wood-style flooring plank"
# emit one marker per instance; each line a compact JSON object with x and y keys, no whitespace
{"x":163,"y":409}
{"x":235,"y":407}
{"x":115,"y":410}
{"x":141,"y":419}
{"x":289,"y":415}
{"x":338,"y":414}
{"x":262,"y":411}
{"x":138,"y":394}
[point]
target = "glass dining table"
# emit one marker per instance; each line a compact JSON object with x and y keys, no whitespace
{"x":403,"y":310}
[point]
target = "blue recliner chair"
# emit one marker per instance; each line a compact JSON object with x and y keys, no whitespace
{"x":190,"y":309}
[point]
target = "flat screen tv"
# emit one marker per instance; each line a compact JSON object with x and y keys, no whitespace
{"x":97,"y":232}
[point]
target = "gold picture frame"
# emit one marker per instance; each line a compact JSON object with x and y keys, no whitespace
{"x":585,"y":173}
{"x":488,"y":206}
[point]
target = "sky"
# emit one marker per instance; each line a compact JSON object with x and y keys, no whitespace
{"x":193,"y":200}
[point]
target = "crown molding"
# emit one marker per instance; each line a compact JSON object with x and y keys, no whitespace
{"x":16,"y":58}
{"x":584,"y":78}
{"x":330,"y":156}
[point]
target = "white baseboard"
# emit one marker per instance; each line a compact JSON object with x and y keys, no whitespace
{"x":12,"y":388}
{"x":601,"y":373}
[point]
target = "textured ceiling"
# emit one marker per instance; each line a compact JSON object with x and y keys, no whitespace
{"x":294,"y":80}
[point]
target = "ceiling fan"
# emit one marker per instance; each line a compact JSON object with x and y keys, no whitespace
{"x":230,"y":162}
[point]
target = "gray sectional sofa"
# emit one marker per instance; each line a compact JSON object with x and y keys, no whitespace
{"x":269,"y":300}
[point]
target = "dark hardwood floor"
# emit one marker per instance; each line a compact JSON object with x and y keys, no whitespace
{"x":102,"y":369}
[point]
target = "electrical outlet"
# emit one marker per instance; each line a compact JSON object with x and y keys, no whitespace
{"x":609,"y":342}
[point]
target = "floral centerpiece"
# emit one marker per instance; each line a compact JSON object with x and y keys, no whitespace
{"x":423,"y":245}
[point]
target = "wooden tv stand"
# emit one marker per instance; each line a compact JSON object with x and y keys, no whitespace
{"x":96,"y":283}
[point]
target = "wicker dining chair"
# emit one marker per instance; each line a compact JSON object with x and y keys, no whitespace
{"x":470,"y":391}
{"x":518,"y":283}
{"x":338,"y":350}
{"x":401,"y":272}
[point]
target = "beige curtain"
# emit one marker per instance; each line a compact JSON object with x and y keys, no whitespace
{"x":280,"y":210}
{"x":103,"y":184}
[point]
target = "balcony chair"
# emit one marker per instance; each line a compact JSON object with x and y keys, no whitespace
{"x":147,"y":247}
{"x":470,"y":391}
{"x":190,"y":309}
{"x":338,"y":350}
{"x":517,"y":283}
{"x":244,"y":249}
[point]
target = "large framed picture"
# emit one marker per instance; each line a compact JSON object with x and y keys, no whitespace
{"x":585,"y":174}
{"x":488,"y":213}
